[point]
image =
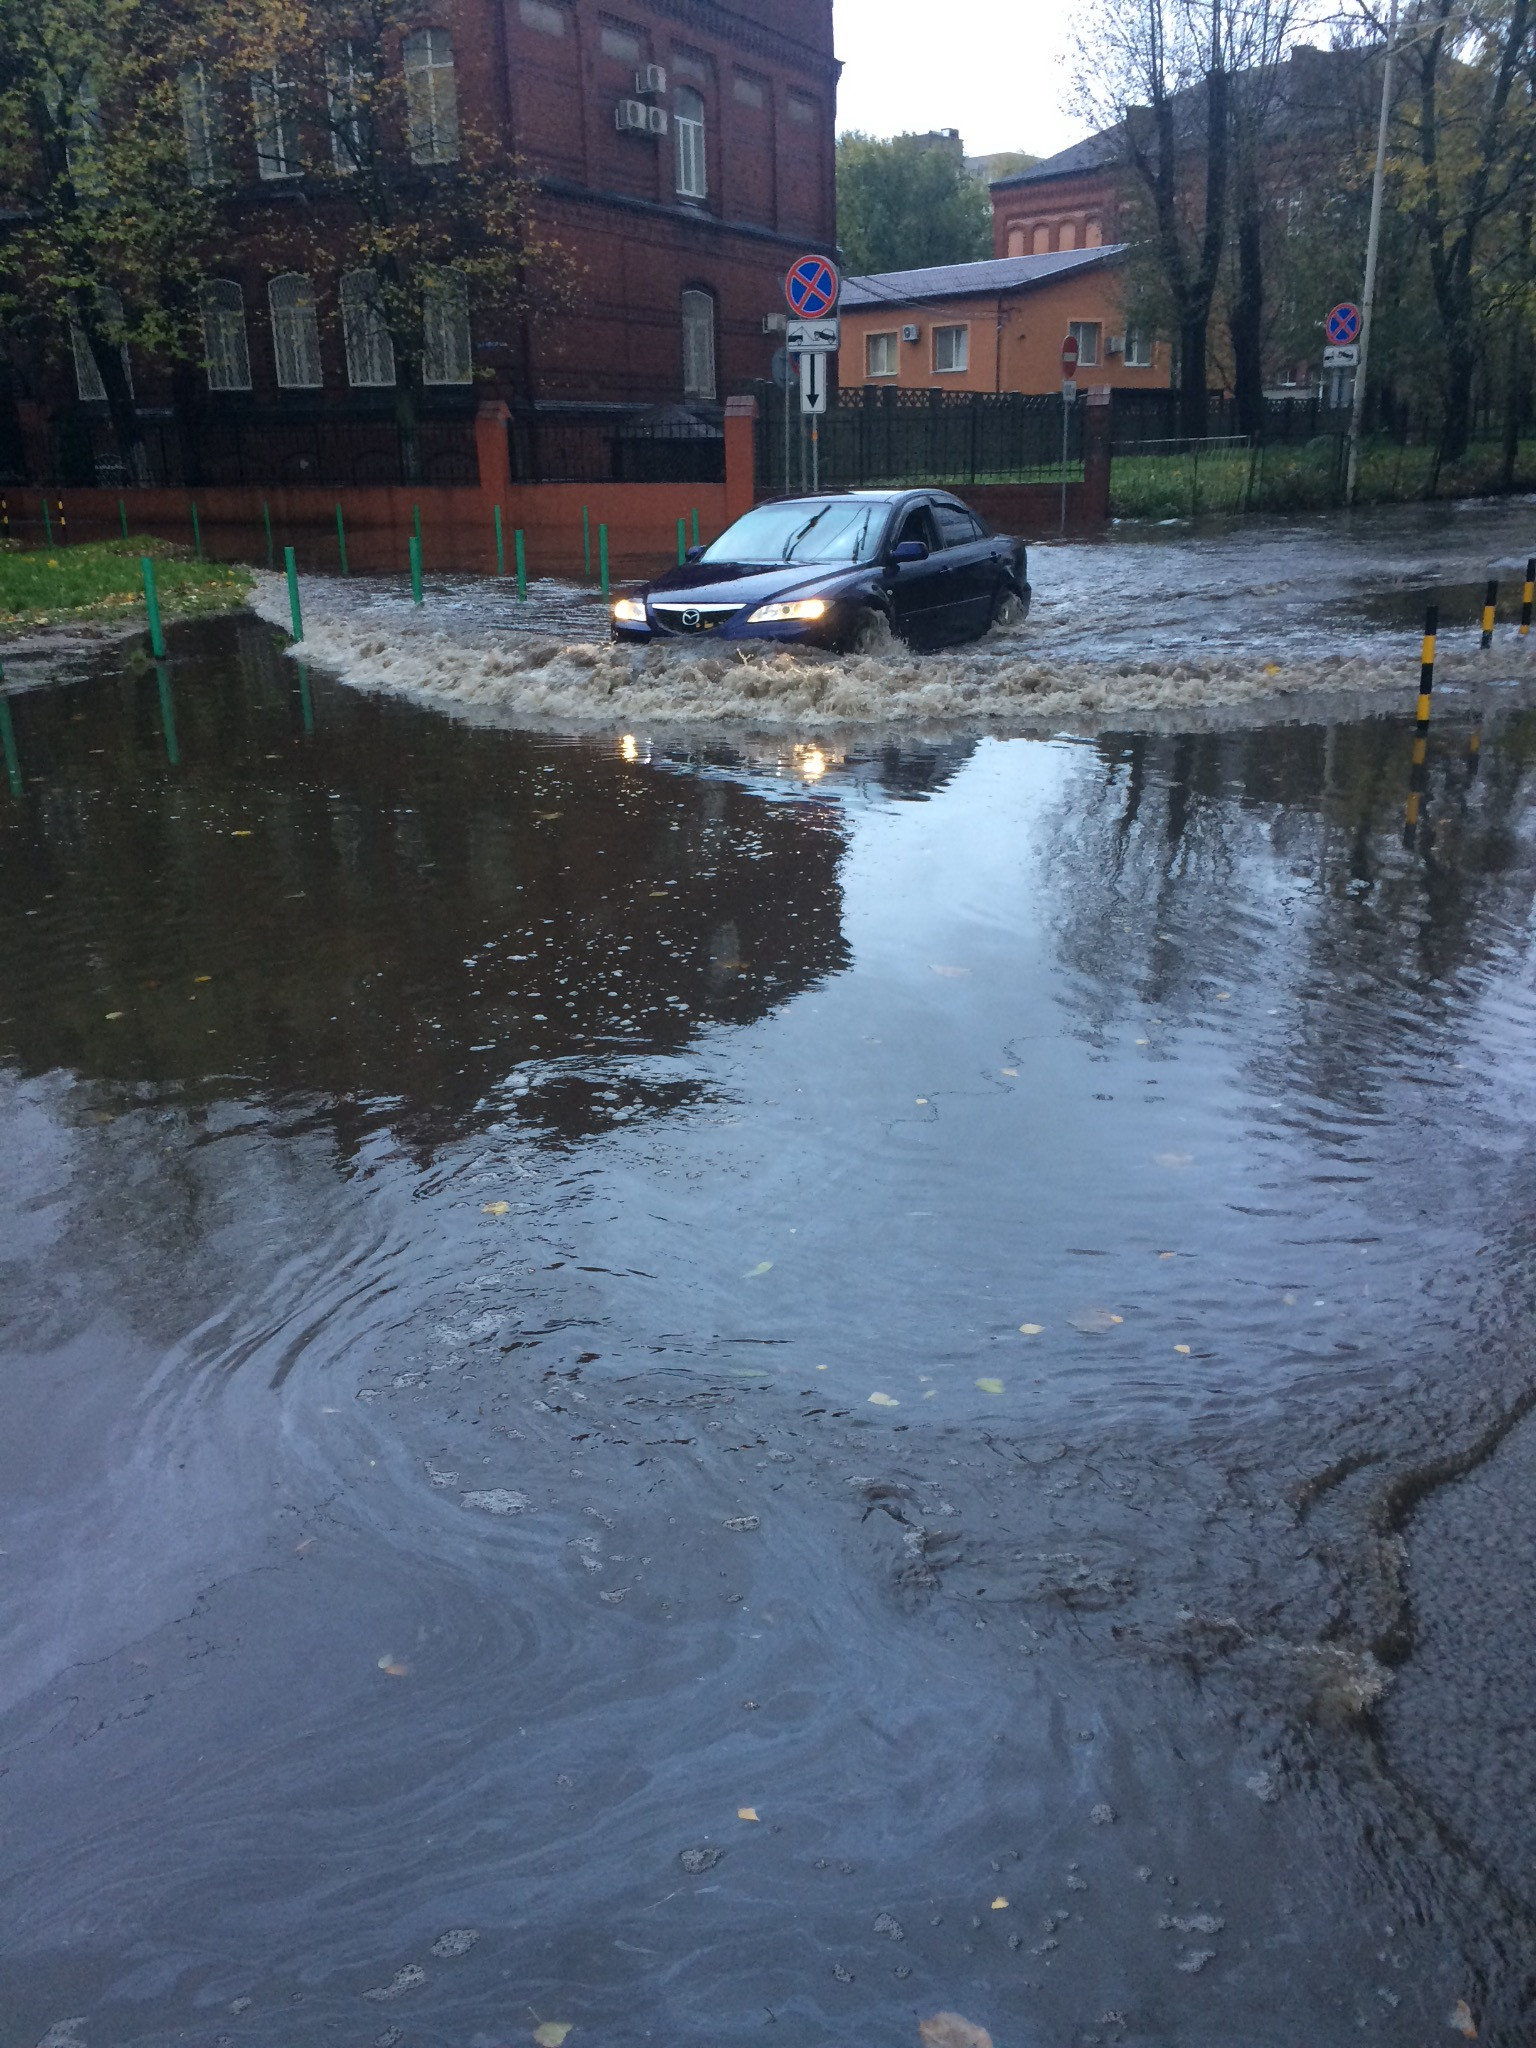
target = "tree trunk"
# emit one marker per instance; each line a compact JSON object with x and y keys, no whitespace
{"x":1460,"y":368}
{"x":1245,"y":320}
{"x":1192,"y":346}
{"x":407,"y":422}
{"x":1514,"y":366}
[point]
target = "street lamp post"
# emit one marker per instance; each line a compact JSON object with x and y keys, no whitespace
{"x":1372,"y":243}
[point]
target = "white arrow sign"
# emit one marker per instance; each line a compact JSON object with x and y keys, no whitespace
{"x":814,"y":337}
{"x":813,"y":383}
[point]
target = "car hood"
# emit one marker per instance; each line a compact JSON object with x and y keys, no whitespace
{"x":749,"y":583}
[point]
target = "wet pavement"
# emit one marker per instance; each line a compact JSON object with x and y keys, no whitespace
{"x":708,"y":1393}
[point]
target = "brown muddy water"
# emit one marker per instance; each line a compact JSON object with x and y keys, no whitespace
{"x":708,"y":1394}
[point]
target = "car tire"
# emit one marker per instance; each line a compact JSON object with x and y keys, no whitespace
{"x":870,"y":631}
{"x":1008,"y":608}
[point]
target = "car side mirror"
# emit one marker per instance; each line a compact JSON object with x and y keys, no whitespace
{"x":694,"y":552}
{"x":910,"y":551}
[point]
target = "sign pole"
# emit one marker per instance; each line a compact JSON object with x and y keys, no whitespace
{"x":1069,"y":352}
{"x":1372,"y":244}
{"x":788,"y":360}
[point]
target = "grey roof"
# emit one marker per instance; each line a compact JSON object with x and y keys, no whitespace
{"x":1093,"y":153}
{"x":958,"y":280}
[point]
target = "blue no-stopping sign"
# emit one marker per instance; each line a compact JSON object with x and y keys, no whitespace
{"x":811,"y":287}
{"x":1343,"y":325}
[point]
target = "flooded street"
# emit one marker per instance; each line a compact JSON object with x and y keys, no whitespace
{"x":705,"y":1389}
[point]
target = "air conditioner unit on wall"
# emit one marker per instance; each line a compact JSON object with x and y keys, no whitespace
{"x":1115,"y":346}
{"x":658,"y":120}
{"x":633,"y":117}
{"x":651,"y":78}
{"x":911,"y":333}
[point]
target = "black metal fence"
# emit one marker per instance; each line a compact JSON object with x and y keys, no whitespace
{"x":870,"y":437}
{"x":272,"y":449}
{"x":1141,"y":417}
{"x":640,"y":445}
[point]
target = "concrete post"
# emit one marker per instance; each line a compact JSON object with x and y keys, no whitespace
{"x":740,"y":456}
{"x":1093,"y":507}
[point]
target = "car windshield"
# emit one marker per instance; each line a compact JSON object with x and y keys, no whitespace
{"x":804,"y":530}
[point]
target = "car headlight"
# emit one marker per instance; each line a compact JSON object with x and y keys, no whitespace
{"x":629,"y":611}
{"x":800,"y":608}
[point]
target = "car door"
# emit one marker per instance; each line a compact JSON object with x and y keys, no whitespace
{"x":920,"y":591}
{"x":974,"y":572}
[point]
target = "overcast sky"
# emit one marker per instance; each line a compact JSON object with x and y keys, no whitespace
{"x":991,"y":68}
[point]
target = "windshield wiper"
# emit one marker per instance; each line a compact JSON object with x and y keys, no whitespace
{"x":796,"y":538}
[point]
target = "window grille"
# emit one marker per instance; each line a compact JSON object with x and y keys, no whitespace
{"x":432,"y":97}
{"x":225,"y":348}
{"x":295,"y":333}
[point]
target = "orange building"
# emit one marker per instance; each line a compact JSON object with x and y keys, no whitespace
{"x":996,"y":326}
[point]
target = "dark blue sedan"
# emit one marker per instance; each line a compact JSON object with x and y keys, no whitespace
{"x":835,"y":571}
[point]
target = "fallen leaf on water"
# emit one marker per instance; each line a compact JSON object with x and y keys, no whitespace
{"x":495,"y":1208}
{"x":922,"y":1099}
{"x":999,"y":1905}
{"x":390,"y":1667}
{"x":1095,"y":1321}
{"x":551,"y":2034}
{"x":239,"y":835}
{"x":990,"y":1386}
{"x":1271,"y":668}
{"x":1030,"y":1329}
{"x":113,"y":1015}
{"x":948,"y":2030}
{"x":763,"y":1266}
{"x":746,"y":1813}
{"x":1462,"y":2020}
{"x":954,"y":973}
{"x":1182,"y":1349}
{"x":883,"y":1401}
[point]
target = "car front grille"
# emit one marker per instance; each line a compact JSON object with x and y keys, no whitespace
{"x":694,"y":618}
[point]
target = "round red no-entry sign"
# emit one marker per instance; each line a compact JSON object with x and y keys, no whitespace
{"x":1069,"y":355}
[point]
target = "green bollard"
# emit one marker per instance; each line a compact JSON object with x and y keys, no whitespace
{"x":415,"y":570}
{"x":522,"y":566}
{"x":501,"y":548}
{"x":586,"y":545}
{"x":695,"y":518}
{"x":306,"y":708}
{"x":152,"y":606}
{"x":122,"y":513}
{"x":682,"y":542}
{"x":167,"y":714}
{"x":341,"y":540}
{"x":602,"y":557}
{"x":197,"y":533}
{"x":266,"y":520}
{"x":294,"y":612}
{"x":8,"y":742}
{"x":48,"y":522}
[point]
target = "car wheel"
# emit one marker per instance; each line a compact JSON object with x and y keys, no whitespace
{"x":871,"y":631}
{"x":1008,"y":608}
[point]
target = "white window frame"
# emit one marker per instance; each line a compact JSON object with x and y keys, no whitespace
{"x":1089,"y":335}
{"x":432,"y":96}
{"x":698,"y":321}
{"x":1138,"y":348}
{"x":959,"y":341}
{"x":688,"y":120}
{"x":370,"y":350}
{"x":226,"y":348}
{"x":200,"y":126}
{"x":87,"y":376}
{"x":447,"y":350}
{"x":890,"y":354}
{"x":295,"y":332}
{"x":275,"y":118}
{"x":347,"y":79}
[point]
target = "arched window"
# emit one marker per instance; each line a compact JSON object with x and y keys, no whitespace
{"x":432,"y":96}
{"x":1042,"y":240}
{"x":698,"y":345}
{"x":200,"y":126}
{"x":1093,"y":236}
{"x":446,"y":355}
{"x":1015,"y":241}
{"x":295,"y":333}
{"x":87,"y":376}
{"x":370,"y":352}
{"x":224,"y":344}
{"x":1066,"y":235}
{"x":688,"y":120}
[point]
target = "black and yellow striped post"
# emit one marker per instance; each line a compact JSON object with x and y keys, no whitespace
{"x":1527,"y":596}
{"x":1421,"y":732}
{"x":1490,"y":606}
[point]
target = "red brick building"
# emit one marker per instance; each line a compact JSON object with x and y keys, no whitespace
{"x":684,"y":155}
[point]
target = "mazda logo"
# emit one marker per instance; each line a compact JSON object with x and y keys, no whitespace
{"x":692,"y":619}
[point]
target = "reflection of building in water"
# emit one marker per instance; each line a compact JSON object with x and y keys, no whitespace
{"x":420,"y":922}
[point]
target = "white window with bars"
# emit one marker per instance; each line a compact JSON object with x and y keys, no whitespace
{"x":87,"y":375}
{"x":370,"y":352}
{"x":432,"y":96}
{"x":347,"y":80}
{"x":880,"y":355}
{"x":200,"y":126}
{"x":295,"y":333}
{"x":225,"y":348}
{"x":698,"y":345}
{"x":951,"y":348}
{"x":274,"y":111}
{"x":1086,"y":334}
{"x":446,"y":355}
{"x":688,"y":125}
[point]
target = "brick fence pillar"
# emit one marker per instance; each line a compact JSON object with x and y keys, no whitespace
{"x":1094,"y":504}
{"x":740,"y":456}
{"x":491,"y":418}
